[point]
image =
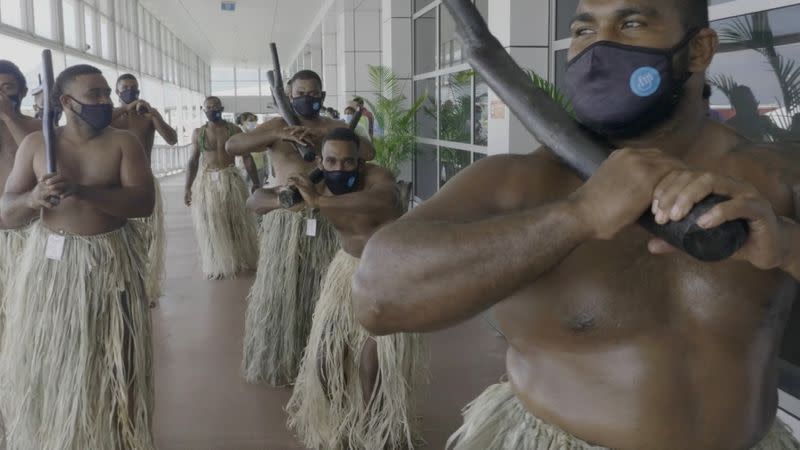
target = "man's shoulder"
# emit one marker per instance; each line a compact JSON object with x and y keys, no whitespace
{"x":772,"y":168}
{"x":376,"y":173}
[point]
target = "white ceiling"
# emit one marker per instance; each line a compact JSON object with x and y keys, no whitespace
{"x":241,"y":37}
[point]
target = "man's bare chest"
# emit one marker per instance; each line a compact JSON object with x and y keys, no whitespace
{"x":95,"y":164}
{"x":617,"y":289}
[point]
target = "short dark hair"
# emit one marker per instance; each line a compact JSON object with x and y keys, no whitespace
{"x":350,"y":108}
{"x":212,"y":97}
{"x":126,"y":76}
{"x":306,"y":75}
{"x":9,"y":68}
{"x":245,"y":116}
{"x":359,"y":100}
{"x":694,"y":13}
{"x":343,"y":135}
{"x":66,"y":78}
{"x":706,"y":91}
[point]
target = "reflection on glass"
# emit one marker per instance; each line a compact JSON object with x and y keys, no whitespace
{"x":764,"y":107}
{"x":70,"y":21}
{"x":455,"y":108}
{"x":426,"y":115}
{"x":425,"y":171}
{"x":452,"y":161}
{"x":419,"y":4}
{"x":450,"y":52}
{"x":481,"y":108}
{"x":478,"y":156}
{"x":565,"y":11}
{"x":424,"y":36}
{"x":43,"y":18}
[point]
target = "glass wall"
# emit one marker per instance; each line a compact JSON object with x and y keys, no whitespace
{"x":116,"y":36}
{"x":452,"y":126}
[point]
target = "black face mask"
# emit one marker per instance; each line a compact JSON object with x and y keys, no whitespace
{"x":129,"y":96}
{"x":16,"y":100}
{"x":621,"y":90}
{"x":98,"y":117}
{"x":307,"y":106}
{"x":341,"y":182}
{"x":214,"y":116}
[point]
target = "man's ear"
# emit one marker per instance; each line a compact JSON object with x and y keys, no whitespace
{"x":702,"y":49}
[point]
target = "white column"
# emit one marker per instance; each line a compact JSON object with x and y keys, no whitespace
{"x":522,"y":28}
{"x":359,"y":46}
{"x":398,"y":53}
{"x":330,"y":69}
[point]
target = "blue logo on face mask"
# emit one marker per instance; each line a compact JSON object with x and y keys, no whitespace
{"x":317,"y":106}
{"x":645,"y":81}
{"x":351,"y":181}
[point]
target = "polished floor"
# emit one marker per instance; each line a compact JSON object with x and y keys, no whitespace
{"x":202,"y":403}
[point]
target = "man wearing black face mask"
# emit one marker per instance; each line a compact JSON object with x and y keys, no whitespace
{"x":141,"y":119}
{"x":340,"y":400}
{"x":77,"y":307}
{"x":225,"y":230}
{"x":614,"y":340}
{"x":14,"y":126}
{"x":292,"y":241}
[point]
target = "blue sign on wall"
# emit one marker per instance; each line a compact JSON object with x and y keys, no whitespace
{"x":229,"y":6}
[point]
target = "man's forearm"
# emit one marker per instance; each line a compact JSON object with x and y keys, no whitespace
{"x":424,"y":276}
{"x":125,"y":202}
{"x":118,"y":112}
{"x":792,"y":264}
{"x":264,"y":201}
{"x":364,"y":202}
{"x":164,"y":129}
{"x":243,"y":143}
{"x":16,"y":210}
{"x":191,"y":173}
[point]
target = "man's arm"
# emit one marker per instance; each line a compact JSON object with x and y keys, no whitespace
{"x":247,"y":159}
{"x":380,"y":197}
{"x":121,"y":111}
{"x":469,"y":247}
{"x":164,"y":129}
{"x":24,"y":196}
{"x":259,"y":140}
{"x":135,"y":197}
{"x":264,"y":201}
{"x":191,"y":167}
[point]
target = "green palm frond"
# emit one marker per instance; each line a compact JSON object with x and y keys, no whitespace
{"x":551,"y":90}
{"x":394,"y":117}
{"x":724,"y":83}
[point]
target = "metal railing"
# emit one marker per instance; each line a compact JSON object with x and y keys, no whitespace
{"x":167,"y":160}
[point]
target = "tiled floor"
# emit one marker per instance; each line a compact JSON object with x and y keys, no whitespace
{"x":203,"y":404}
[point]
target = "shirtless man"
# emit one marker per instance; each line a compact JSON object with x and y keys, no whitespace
{"x":82,"y":352}
{"x":282,"y":298}
{"x":141,"y":119}
{"x":226,"y":231}
{"x":14,"y":126}
{"x":609,"y":344}
{"x":335,"y":404}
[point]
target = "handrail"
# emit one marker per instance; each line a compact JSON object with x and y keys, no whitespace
{"x":166,"y":160}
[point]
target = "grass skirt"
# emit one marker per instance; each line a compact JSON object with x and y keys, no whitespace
{"x":78,"y":373}
{"x":226,"y":231}
{"x":281,"y":301}
{"x":155,"y":238}
{"x":498,"y":421}
{"x":334,"y":415}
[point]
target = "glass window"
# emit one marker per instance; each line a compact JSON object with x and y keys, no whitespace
{"x":481,"y":107}
{"x":426,"y":115}
{"x":755,"y":74}
{"x":70,"y":9}
{"x":450,"y":52}
{"x":560,"y":68}
{"x":43,"y":18}
{"x":11,"y":12}
{"x":477,"y":157}
{"x":455,"y":107}
{"x":424,"y":35}
{"x":425,"y":184}
{"x":105,"y":37}
{"x":452,"y":161}
{"x":565,"y":11}
{"x":89,"y":18}
{"x":483,"y":7}
{"x":246,"y":74}
{"x":419,"y":4}
{"x":105,"y":7}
